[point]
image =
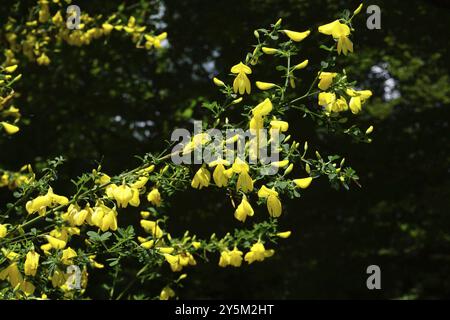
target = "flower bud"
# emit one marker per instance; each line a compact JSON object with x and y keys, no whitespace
{"x":358,"y":10}
{"x":218,"y":82}
{"x":369,"y":130}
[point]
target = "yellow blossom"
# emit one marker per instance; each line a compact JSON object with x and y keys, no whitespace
{"x":166,"y":293}
{"x":148,"y":244}
{"x":258,"y":253}
{"x":152,"y":228}
{"x":231,"y":258}
{"x":263,"y":108}
{"x":104,"y":217}
{"x":177,"y":262}
{"x":31,"y":263}
{"x":43,"y":60}
{"x":339,"y":32}
{"x":326,"y":78}
{"x":241,"y":83}
{"x":41,"y":203}
{"x":122,"y":194}
{"x":327,"y":100}
{"x":201,"y":178}
{"x":243,"y":210}
{"x":154,"y":197}
{"x":3,"y":231}
{"x":55,"y":243}
{"x":357,"y":99}
{"x":219,"y":175}
{"x":282,"y":126}
{"x":67,"y":256}
{"x":273,"y":202}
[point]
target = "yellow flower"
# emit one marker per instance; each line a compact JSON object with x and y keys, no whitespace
{"x":31,"y":263}
{"x":218,"y":82}
{"x":3,"y":231}
{"x":303,"y":183}
{"x":152,"y":228}
{"x":43,"y":60}
{"x":224,"y":259}
{"x":282,"y":126}
{"x":339,"y":32}
{"x":9,"y":128}
{"x":326,"y":78}
{"x":10,"y":255}
{"x":55,"y":243}
{"x":296,"y":36}
{"x":263,"y":108}
{"x":154,"y":197}
{"x":241,"y":82}
{"x":109,"y":221}
{"x":231,"y":258}
{"x":265,"y":85}
{"x":267,"y":50}
{"x":243,"y":210}
{"x":140,"y":183}
{"x":177,"y":262}
{"x":166,"y":293}
{"x":244,"y":182}
{"x":201,"y":178}
{"x":284,"y":235}
{"x":148,"y":244}
{"x":67,"y":256}
{"x":340,"y":105}
{"x":258,"y":253}
{"x":105,"y":218}
{"x":94,"y":263}
{"x":41,"y":203}
{"x":12,"y":274}
{"x":219,"y":175}
{"x":256,"y":123}
{"x":273,"y":202}
{"x":274,"y":206}
{"x":327,"y":100}
{"x":357,"y":99}
{"x":154,"y":41}
{"x":122,"y":194}
{"x":368,"y":131}
{"x":197,"y":140}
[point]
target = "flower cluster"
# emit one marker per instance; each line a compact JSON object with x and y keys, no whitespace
{"x":54,"y":241}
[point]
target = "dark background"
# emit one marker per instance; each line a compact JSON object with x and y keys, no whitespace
{"x":108,"y":102}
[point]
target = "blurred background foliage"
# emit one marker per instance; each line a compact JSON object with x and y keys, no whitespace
{"x":109,"y":101}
